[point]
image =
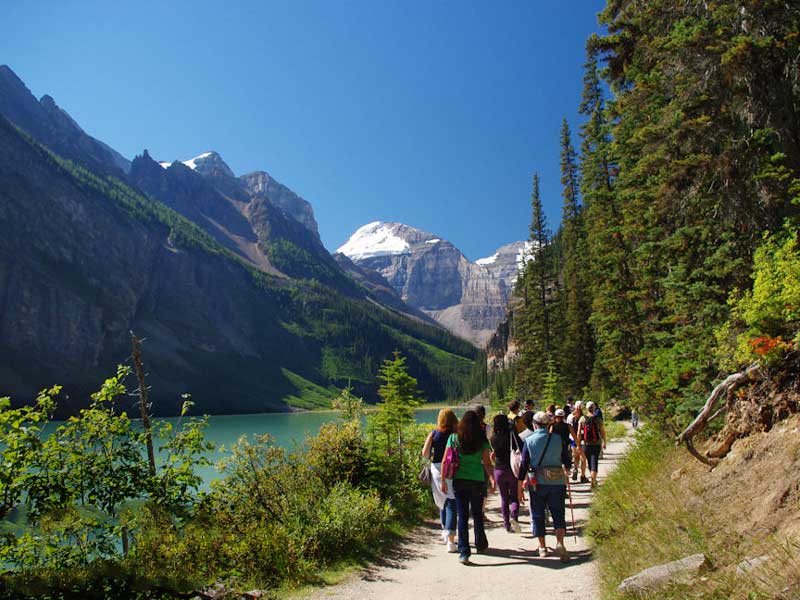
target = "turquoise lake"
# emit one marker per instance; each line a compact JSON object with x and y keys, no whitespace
{"x":288,"y":429}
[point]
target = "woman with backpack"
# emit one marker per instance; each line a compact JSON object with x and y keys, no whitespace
{"x":434,"y":449}
{"x":578,"y":457}
{"x":592,"y":436}
{"x":547,"y":484}
{"x":471,"y":450}
{"x":504,"y":441}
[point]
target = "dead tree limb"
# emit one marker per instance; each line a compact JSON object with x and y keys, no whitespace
{"x":143,"y":403}
{"x":723,"y":390}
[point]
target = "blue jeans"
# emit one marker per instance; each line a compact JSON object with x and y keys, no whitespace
{"x":550,"y":497}
{"x":469,"y":498}
{"x":448,"y":515}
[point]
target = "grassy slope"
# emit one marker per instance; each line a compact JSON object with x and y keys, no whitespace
{"x":661,"y":505}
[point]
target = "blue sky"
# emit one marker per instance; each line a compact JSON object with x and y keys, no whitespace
{"x":431,"y":113}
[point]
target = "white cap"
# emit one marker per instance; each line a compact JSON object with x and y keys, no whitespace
{"x":590,"y":405}
{"x":578,"y":404}
{"x":559,"y":412}
{"x":542,"y":418}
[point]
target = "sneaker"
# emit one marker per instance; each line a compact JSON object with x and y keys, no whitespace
{"x":562,"y":553}
{"x":584,"y":479}
{"x":481,"y":550}
{"x":464,"y":560}
{"x":445,"y":535}
{"x":452,"y":548}
{"x":515,"y":526}
{"x":541,"y":552}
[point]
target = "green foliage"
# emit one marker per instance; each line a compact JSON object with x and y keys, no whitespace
{"x":552,"y":392}
{"x":399,"y":398}
{"x":765,"y":320}
{"x":350,"y":406}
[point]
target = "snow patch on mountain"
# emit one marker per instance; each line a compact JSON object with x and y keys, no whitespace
{"x":373,"y":239}
{"x":489,"y":260}
{"x":192,"y":162}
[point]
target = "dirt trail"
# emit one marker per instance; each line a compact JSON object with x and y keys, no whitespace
{"x":420,"y":567}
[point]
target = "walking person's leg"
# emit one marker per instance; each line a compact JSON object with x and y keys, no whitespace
{"x":583,"y":463}
{"x":450,"y":520}
{"x":462,"y":507}
{"x":593,"y":456}
{"x":504,"y":497}
{"x":510,"y":485}
{"x":538,"y":506}
{"x":476,"y":500}
{"x":555,"y":496}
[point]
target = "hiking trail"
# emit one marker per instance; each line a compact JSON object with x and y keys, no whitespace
{"x":419,"y":567}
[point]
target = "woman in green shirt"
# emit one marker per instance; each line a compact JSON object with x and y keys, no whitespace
{"x":474,"y":468}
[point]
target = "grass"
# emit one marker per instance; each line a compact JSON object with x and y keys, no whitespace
{"x":615,"y":430}
{"x":307,"y":394}
{"x":643,"y":516}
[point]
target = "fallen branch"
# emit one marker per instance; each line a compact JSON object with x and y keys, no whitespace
{"x":723,"y":390}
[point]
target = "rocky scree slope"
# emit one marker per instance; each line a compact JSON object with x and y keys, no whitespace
{"x":432,"y":275}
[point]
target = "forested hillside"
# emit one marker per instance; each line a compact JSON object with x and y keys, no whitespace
{"x":686,"y":176}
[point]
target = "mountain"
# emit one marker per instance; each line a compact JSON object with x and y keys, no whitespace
{"x":224,"y":276}
{"x":432,"y":275}
{"x":52,"y":126}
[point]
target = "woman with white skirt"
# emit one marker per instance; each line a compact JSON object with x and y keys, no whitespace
{"x":446,"y":501}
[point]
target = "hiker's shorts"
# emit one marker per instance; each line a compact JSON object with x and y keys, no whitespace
{"x":592,"y":455}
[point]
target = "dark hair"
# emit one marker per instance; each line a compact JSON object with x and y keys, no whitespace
{"x":513,"y":406}
{"x":480,"y":411}
{"x":500,"y":424}
{"x":551,"y":409}
{"x":527,"y":418}
{"x":529,"y":401}
{"x":470,"y":434}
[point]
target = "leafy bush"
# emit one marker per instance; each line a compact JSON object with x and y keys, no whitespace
{"x":765,"y":320}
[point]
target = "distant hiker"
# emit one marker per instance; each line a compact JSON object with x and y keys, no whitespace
{"x":446,"y":501}
{"x":474,"y":468}
{"x":597,"y":412}
{"x":481,"y":412}
{"x":506,"y":481}
{"x":634,"y":418}
{"x":561,"y":428}
{"x":514,"y":415}
{"x":551,"y":410}
{"x":578,"y":457}
{"x":592,"y":435}
{"x":527,"y":425}
{"x":547,"y":484}
{"x":529,"y":406}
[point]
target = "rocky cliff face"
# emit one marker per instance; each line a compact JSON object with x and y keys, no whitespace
{"x":431,"y":274}
{"x":52,"y":126}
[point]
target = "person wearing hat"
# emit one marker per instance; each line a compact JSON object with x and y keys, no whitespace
{"x":578,"y":457}
{"x":592,"y":435}
{"x":541,"y":455}
{"x":561,"y":428}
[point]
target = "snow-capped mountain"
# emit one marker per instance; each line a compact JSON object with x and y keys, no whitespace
{"x":432,"y":275}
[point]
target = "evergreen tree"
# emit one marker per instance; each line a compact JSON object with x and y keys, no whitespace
{"x":614,"y":315}
{"x":704,"y":132}
{"x":576,"y":348}
{"x":533,"y":318}
{"x":399,"y":398}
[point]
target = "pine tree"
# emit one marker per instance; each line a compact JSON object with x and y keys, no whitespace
{"x":399,"y":399}
{"x":614,"y":316}
{"x":533,"y":318}
{"x":577,"y":346}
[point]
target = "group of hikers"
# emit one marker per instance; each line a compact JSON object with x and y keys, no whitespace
{"x":517,"y":452}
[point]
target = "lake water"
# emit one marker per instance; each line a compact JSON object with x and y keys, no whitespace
{"x":288,"y":429}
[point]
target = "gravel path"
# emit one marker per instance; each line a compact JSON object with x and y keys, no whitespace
{"x":419,"y":567}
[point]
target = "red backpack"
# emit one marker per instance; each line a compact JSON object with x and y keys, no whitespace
{"x":591,"y":432}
